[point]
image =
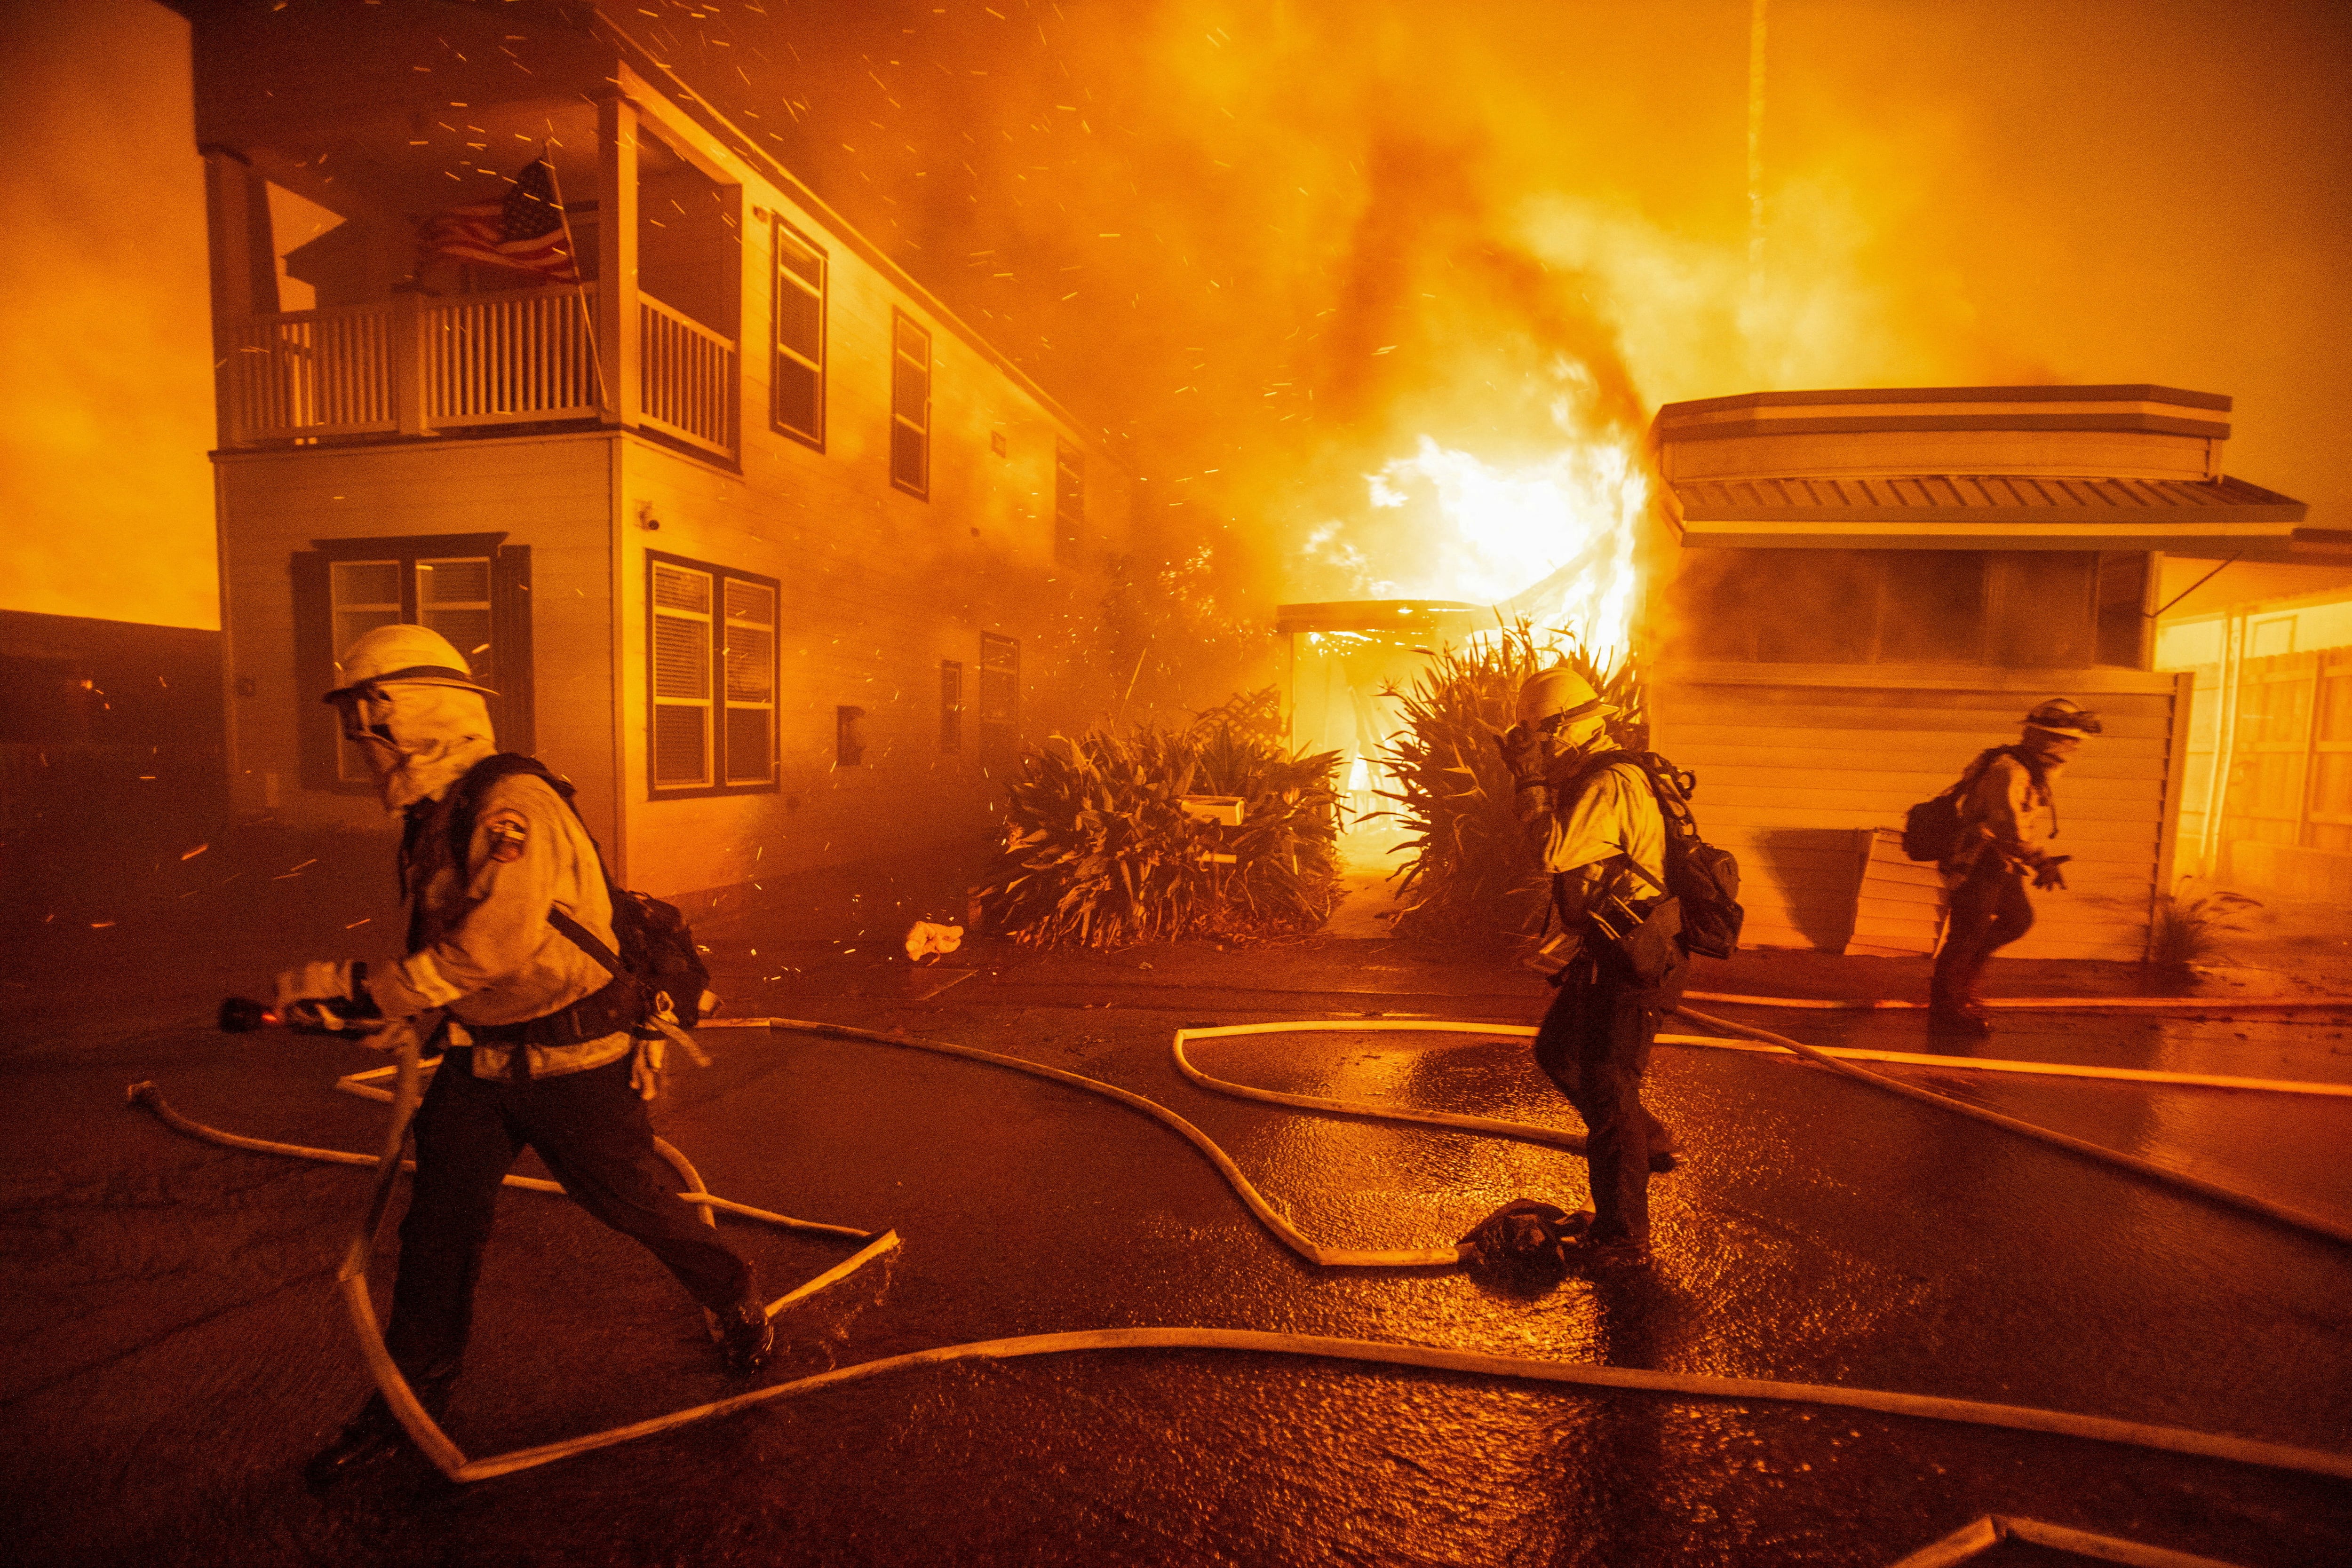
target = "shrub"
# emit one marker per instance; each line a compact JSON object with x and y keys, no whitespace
{"x":1098,"y":854}
{"x":2190,"y":930}
{"x":1471,"y":874}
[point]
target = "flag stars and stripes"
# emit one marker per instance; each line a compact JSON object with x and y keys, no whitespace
{"x":525,"y":231}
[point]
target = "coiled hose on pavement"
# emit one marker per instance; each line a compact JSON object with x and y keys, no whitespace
{"x":351,"y":1280}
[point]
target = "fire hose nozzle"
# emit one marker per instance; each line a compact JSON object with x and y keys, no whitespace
{"x":243,"y":1015}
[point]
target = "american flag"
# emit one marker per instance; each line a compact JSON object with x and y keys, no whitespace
{"x":525,"y":232}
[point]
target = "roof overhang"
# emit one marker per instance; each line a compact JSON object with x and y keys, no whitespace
{"x":1383,"y":617}
{"x":2218,"y":517}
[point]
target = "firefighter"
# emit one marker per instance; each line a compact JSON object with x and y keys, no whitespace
{"x":1593,"y":824}
{"x":2008,"y":819}
{"x":535,"y":1034}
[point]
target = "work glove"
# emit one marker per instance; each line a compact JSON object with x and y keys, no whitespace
{"x":2047,"y":877}
{"x":646,"y":1067}
{"x":328,"y":999}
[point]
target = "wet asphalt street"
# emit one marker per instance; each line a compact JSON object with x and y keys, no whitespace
{"x":176,"y":1349}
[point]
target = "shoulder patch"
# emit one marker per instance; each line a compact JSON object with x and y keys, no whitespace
{"x":508,"y":833}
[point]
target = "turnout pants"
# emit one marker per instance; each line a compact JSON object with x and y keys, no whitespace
{"x":1594,"y":1043}
{"x":592,"y":1130}
{"x":1989,"y":910}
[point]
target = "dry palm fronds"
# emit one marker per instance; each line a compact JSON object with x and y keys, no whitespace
{"x":1099,"y":853}
{"x":1473,"y":875}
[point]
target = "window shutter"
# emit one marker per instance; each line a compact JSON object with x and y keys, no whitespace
{"x":511,"y":667}
{"x":317,"y":729}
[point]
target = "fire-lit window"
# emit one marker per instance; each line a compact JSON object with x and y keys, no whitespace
{"x":797,"y":392}
{"x":1069,"y":501}
{"x":910,"y":406}
{"x":951,"y":706}
{"x":710,"y":678}
{"x":469,"y":588}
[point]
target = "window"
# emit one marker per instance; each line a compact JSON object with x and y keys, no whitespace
{"x":2054,"y":608}
{"x":1069,"y":501}
{"x":1000,"y":697}
{"x":471,"y":588}
{"x":797,"y":399}
{"x":951,"y":707}
{"x":711,"y":677}
{"x":849,"y":738}
{"x":910,"y":406}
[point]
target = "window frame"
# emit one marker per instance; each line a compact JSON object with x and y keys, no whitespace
{"x":999,"y":727}
{"x":784,"y":234}
{"x":509,"y":670}
{"x":952,"y":707}
{"x":716,"y":727}
{"x":901,"y":326}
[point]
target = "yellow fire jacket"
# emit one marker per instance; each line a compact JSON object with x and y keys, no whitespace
{"x":481,"y":948}
{"x":2008,"y":813}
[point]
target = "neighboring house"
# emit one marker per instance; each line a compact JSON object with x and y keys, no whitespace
{"x":770,"y":553}
{"x":1873,"y":585}
{"x":2274,"y":673}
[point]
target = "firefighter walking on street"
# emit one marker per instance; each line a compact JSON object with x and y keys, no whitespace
{"x":2008,"y":819}
{"x":1589,"y":809}
{"x":539,"y":1040}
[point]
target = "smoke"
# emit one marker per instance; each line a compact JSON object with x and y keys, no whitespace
{"x":1275,"y":246}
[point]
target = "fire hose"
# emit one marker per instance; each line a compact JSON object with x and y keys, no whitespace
{"x":444,"y":1454}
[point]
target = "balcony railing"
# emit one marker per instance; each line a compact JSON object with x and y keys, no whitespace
{"x":687,"y":378}
{"x":312,"y":372}
{"x":478,"y":360}
{"x":502,"y":359}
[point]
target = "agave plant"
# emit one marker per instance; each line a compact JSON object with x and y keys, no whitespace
{"x":1097,"y":851}
{"x":1471,"y":874}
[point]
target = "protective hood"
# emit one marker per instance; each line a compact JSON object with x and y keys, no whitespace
{"x":440,"y":731}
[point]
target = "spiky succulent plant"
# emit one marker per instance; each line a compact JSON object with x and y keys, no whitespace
{"x":1470,"y":874}
{"x":1097,"y":851}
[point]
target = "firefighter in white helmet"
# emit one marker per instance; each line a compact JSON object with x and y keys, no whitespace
{"x":1597,"y":827}
{"x":536,"y":1033}
{"x":2009,"y":816}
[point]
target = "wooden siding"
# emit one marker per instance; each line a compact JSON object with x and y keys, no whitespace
{"x":553,"y":494}
{"x":1798,"y":764}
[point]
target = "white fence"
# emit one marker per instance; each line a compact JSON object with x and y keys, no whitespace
{"x":521,"y":356}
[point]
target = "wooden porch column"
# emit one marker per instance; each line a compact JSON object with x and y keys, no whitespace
{"x":237,"y":210}
{"x":408,"y":363}
{"x":616,"y":259}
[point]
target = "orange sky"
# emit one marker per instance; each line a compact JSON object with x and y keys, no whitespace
{"x":106,"y":410}
{"x":1271,"y":246}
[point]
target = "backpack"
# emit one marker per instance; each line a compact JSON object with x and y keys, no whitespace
{"x":1931,"y":830}
{"x":1706,"y":879}
{"x":657,"y":946}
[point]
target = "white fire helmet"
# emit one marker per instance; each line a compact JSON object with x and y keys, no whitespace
{"x":1556,"y":698}
{"x":417,"y":654}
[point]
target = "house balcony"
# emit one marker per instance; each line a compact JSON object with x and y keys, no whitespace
{"x":417,"y":365}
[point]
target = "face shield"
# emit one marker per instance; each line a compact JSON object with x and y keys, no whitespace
{"x":366,"y":719}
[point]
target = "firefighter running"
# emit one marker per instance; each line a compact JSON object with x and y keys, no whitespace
{"x":2008,"y":818}
{"x":536,"y":1034}
{"x":1589,"y":809}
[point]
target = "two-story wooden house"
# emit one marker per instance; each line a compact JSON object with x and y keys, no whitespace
{"x":765,"y":548}
{"x":1876,"y":584}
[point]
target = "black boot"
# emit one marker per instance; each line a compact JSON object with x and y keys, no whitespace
{"x":374,"y":1437}
{"x":746,"y":1337}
